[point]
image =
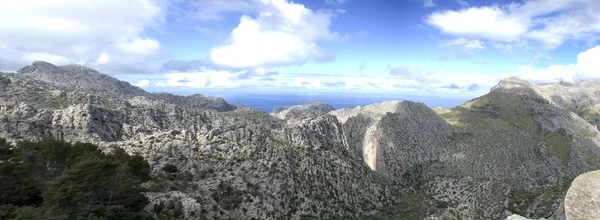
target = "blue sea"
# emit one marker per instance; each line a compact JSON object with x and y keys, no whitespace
{"x":266,"y":100}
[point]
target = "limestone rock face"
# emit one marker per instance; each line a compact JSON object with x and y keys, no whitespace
{"x":79,"y":78}
{"x":583,"y":198}
{"x":517,"y":217}
{"x":311,"y":109}
{"x":232,"y":161}
{"x":402,"y":140}
{"x":516,"y":86}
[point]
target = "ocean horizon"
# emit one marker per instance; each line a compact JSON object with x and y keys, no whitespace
{"x":266,"y":100}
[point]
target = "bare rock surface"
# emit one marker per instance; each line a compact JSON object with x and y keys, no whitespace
{"x":583,"y":198}
{"x":311,"y":109}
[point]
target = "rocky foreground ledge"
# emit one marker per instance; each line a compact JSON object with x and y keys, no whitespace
{"x":582,"y":201}
{"x":583,"y":198}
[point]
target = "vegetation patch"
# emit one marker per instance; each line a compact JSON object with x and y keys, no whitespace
{"x":588,"y":133}
{"x":411,"y":206}
{"x":538,"y":203}
{"x":58,"y":180}
{"x":559,"y":145}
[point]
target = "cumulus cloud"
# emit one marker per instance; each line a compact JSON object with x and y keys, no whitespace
{"x":64,"y":32}
{"x":284,"y":33}
{"x":548,"y":22}
{"x":142,"y":83}
{"x":587,"y":67}
{"x":485,"y":22}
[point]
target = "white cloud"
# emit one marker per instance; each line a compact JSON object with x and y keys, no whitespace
{"x":138,"y":46}
{"x":336,"y":2}
{"x":587,"y":67}
{"x":485,"y":22}
{"x":418,"y":74}
{"x":102,"y":59}
{"x":65,"y":32}
{"x":284,"y":33}
{"x":548,"y":22}
{"x":428,"y":3}
{"x":216,"y":79}
{"x":142,"y":83}
{"x":422,"y":81}
{"x":52,"y":58}
{"x":467,"y":44}
{"x":552,"y":74}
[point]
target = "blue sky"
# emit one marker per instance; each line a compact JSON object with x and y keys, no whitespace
{"x":428,"y":47}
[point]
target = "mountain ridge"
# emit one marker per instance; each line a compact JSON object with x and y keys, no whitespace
{"x":511,"y":151}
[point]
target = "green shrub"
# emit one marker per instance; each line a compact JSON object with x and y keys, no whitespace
{"x":57,"y":180}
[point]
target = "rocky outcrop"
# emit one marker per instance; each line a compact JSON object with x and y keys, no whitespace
{"x":583,"y":198}
{"x":196,"y":101}
{"x":402,"y":140}
{"x":311,"y":109}
{"x":516,"y":86}
{"x":79,"y":78}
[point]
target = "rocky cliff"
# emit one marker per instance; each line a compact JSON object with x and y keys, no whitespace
{"x":210,"y":159}
{"x":512,"y":151}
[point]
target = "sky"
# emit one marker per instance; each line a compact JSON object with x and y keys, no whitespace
{"x":429,"y":47}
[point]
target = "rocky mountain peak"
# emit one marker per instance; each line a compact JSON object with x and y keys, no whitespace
{"x":516,"y":86}
{"x":79,"y":78}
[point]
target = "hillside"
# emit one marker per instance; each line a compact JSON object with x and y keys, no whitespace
{"x":512,"y":151}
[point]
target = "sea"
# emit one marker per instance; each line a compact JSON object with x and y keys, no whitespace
{"x":266,"y":100}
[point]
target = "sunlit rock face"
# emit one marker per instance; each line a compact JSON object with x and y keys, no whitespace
{"x":401,"y":140}
{"x":583,"y":198}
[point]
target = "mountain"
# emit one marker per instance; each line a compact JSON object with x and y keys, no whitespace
{"x":209,"y":159}
{"x":512,"y":152}
{"x":79,"y":78}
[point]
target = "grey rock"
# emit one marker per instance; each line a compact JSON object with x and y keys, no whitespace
{"x":312,"y":109}
{"x":79,"y":78}
{"x":583,"y":198}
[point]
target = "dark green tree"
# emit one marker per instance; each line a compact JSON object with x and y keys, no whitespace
{"x":58,"y":180}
